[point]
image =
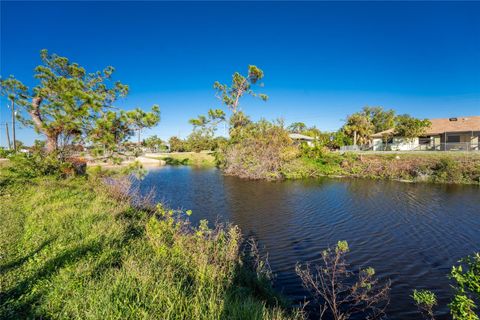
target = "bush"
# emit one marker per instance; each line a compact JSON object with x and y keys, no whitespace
{"x":425,"y":301}
{"x":467,"y":292}
{"x":198,"y":141}
{"x":5,"y":153}
{"x":437,"y":168}
{"x":178,"y":145}
{"x":258,"y":151}
{"x":447,"y":170}
{"x":467,"y":295}
{"x":37,"y":164}
{"x":341,"y":293}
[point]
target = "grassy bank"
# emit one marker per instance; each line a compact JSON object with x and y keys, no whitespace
{"x":460,"y":168}
{"x":73,"y":249}
{"x":196,"y":159}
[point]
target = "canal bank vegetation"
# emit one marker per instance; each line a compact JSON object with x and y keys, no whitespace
{"x":265,"y":150}
{"x":466,"y":300}
{"x":76,"y":247}
{"x":457,"y":168}
{"x":341,"y":293}
{"x":87,"y":247}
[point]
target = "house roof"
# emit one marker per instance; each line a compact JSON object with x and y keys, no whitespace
{"x":462,"y":124}
{"x":380,"y":134}
{"x":298,"y":136}
{"x":442,"y":125}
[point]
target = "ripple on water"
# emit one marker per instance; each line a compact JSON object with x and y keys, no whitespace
{"x":410,"y":233}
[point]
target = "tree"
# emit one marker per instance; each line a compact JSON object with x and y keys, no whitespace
{"x":359,"y":127}
{"x":70,"y":104}
{"x":330,"y":140}
{"x":140,"y":119}
{"x":241,"y":85}
{"x":297,"y":127}
{"x":154,"y":143}
{"x":108,"y":132}
{"x":337,"y":139}
{"x":15,"y":91}
{"x":198,"y":141}
{"x":381,"y":119}
{"x":177,"y":144}
{"x":204,"y":128}
{"x":410,"y":127}
{"x":230,"y":97}
{"x":38,"y":146}
{"x":208,"y":123}
{"x":313,"y":132}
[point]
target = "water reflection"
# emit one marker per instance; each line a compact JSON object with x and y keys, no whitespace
{"x":410,"y":233}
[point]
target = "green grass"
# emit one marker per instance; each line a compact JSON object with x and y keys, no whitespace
{"x":69,"y":249}
{"x":196,"y":159}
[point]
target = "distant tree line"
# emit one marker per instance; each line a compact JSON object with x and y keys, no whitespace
{"x":360,"y":126}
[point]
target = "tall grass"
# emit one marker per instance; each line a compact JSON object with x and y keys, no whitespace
{"x":69,"y":249}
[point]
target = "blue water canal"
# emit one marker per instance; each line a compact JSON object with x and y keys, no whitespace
{"x":410,"y":233}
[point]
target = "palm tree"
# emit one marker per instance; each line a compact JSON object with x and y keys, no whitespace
{"x":360,"y":128}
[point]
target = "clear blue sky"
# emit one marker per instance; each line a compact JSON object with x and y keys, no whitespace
{"x":322,"y":60}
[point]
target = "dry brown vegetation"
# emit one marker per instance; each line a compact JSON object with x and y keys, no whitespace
{"x":418,"y":167}
{"x":341,"y":292}
{"x":260,"y":153}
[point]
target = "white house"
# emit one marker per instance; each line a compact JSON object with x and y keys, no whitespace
{"x":446,"y":134}
{"x":299,"y":138}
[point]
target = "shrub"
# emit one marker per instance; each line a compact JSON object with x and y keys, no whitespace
{"x":5,"y":153}
{"x":37,"y":164}
{"x":425,"y":300}
{"x":341,"y":292}
{"x":198,"y":141}
{"x":258,"y":151}
{"x":467,"y":292}
{"x":467,"y":289}
{"x":178,"y":145}
{"x":447,"y":170}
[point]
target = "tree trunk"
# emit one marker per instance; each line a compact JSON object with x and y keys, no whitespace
{"x":52,"y":138}
{"x":355,"y":137}
{"x":52,"y":143}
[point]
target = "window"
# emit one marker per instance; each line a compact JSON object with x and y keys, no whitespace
{"x":423,"y":140}
{"x":453,"y":139}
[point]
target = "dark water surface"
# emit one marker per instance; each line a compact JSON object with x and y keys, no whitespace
{"x":410,"y":233}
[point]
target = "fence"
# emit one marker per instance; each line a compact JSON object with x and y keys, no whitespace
{"x":448,"y":146}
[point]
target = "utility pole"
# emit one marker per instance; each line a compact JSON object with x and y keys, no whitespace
{"x":355,"y":137}
{"x":13,"y":126}
{"x":8,"y":136}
